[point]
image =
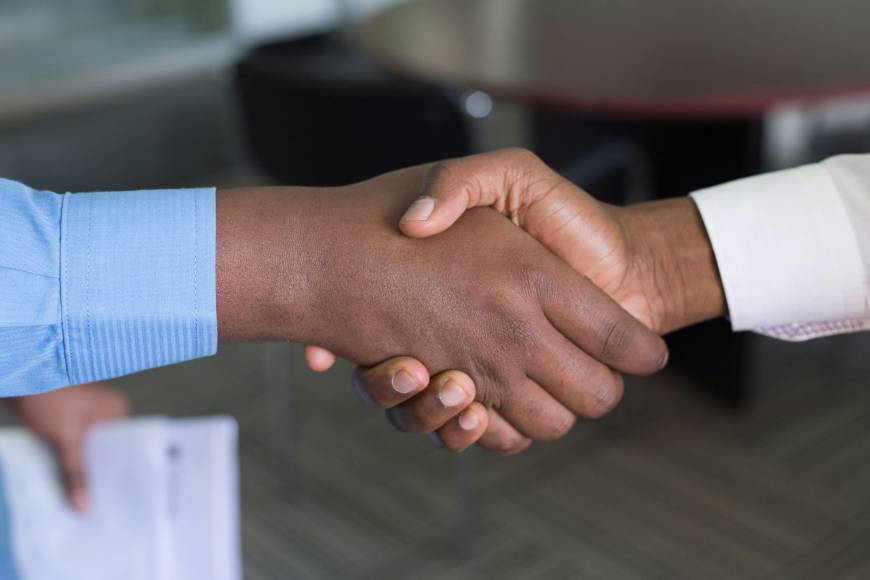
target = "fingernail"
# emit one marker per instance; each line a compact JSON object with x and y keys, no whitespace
{"x":451,"y":394}
{"x":664,"y":361}
{"x":469,"y":421}
{"x":420,"y":210}
{"x":79,"y":501}
{"x":404,"y":383}
{"x":436,"y":440}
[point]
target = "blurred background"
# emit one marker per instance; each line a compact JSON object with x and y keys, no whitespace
{"x":748,"y":458}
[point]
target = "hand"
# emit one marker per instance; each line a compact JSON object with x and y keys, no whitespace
{"x":446,"y":409}
{"x":654,"y":259}
{"x":328,"y":267}
{"x":62,"y":418}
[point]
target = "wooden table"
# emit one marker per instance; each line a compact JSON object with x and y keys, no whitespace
{"x":662,"y":58}
{"x":687,"y":81}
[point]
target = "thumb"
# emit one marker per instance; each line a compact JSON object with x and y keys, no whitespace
{"x":71,"y":458}
{"x":509,"y":180}
{"x":451,"y":187}
{"x":435,"y":211}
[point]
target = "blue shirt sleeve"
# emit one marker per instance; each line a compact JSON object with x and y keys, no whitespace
{"x":98,"y":285}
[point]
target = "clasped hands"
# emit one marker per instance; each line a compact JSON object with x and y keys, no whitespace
{"x":499,"y":325}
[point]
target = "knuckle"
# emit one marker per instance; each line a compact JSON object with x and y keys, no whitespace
{"x":492,"y":390}
{"x":536,"y":282}
{"x":442,"y":174}
{"x":519,"y":334}
{"x":512,"y":290}
{"x":512,"y":315}
{"x":583,"y":372}
{"x":617,"y":337}
{"x":523,"y":155}
{"x":529,"y":166}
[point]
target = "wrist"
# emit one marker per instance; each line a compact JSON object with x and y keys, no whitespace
{"x":263,"y":293}
{"x":674,"y":260}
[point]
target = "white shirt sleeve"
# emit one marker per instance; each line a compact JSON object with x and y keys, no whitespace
{"x":793,"y":248}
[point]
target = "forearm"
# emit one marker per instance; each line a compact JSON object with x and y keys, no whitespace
{"x":674,"y":254}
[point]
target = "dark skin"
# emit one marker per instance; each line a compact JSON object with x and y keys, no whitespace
{"x":673,"y":270}
{"x":654,"y":259}
{"x":329,"y":267}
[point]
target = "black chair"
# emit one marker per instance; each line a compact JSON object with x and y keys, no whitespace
{"x":320,"y":113}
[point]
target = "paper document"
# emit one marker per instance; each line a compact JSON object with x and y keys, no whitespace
{"x":164,"y":504}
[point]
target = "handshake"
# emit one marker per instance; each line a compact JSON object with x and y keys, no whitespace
{"x":498,"y":325}
{"x":486,"y":299}
{"x":504,"y":305}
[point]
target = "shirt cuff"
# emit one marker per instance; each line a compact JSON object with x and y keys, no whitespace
{"x":137,"y":280}
{"x":785,"y":249}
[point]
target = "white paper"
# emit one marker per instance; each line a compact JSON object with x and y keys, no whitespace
{"x":164,"y":503}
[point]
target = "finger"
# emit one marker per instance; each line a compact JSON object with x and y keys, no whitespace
{"x":113,"y":404}
{"x":535,"y":413}
{"x":501,"y":437}
{"x":319,"y":359}
{"x":582,"y":384}
{"x":499,"y":179}
{"x":599,"y":326}
{"x":391,"y":382}
{"x":463,"y":430}
{"x":71,"y":458}
{"x":448,"y":394}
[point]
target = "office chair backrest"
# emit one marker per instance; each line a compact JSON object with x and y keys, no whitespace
{"x":319,"y":113}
